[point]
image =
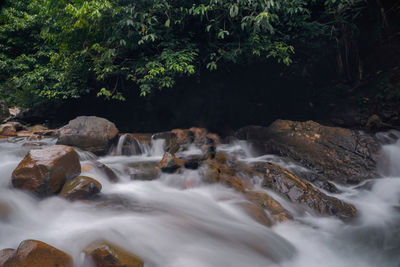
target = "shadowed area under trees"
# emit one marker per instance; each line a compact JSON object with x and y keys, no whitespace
{"x":220,"y":64}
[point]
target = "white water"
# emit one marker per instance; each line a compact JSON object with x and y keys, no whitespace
{"x":176,"y":220}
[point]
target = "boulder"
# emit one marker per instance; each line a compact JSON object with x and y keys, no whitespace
{"x":4,"y":112}
{"x":5,"y":255}
{"x":33,"y":253}
{"x":339,"y":154}
{"x":296,"y":190}
{"x":44,"y":171}
{"x":89,"y":133}
{"x":170,"y":163}
{"x":10,"y":128}
{"x":81,"y":187}
{"x":106,"y":254}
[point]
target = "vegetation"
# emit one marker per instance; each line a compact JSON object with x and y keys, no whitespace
{"x":59,"y":49}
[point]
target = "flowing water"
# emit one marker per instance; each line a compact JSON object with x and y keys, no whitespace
{"x":179,"y":221}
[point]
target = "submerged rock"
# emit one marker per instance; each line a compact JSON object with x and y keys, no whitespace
{"x":275,"y":209}
{"x":81,"y":187}
{"x":44,"y":171}
{"x":298,"y":191}
{"x":339,"y":154}
{"x":110,"y":174}
{"x":257,"y":213}
{"x":106,"y":254}
{"x":89,"y":133}
{"x":5,"y":211}
{"x":33,"y":253}
{"x":5,"y":255}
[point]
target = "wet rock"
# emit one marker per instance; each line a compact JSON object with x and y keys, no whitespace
{"x":4,"y":112}
{"x":81,"y":187}
{"x":264,"y":201}
{"x":106,"y":254}
{"x":170,"y":163}
{"x":89,"y":133}
{"x":257,"y":213}
{"x":193,"y":162}
{"x":181,"y":139}
{"x":5,"y":255}
{"x":110,"y":174}
{"x":339,"y":154}
{"x":44,"y":171}
{"x":219,"y":171}
{"x":298,"y":191}
{"x":10,"y":128}
{"x":35,"y":253}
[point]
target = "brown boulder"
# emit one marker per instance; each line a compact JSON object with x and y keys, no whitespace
{"x":81,"y":187}
{"x":105,"y":254}
{"x":5,"y":255}
{"x":33,"y":253}
{"x":10,"y":128}
{"x":296,"y":190}
{"x":89,"y":133}
{"x":44,"y":171}
{"x":337,"y":153}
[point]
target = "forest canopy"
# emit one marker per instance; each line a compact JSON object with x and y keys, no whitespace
{"x":59,"y":49}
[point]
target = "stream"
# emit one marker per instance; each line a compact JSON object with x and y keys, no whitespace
{"x":177,"y":220}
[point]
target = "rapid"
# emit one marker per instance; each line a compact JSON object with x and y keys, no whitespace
{"x":177,"y":220}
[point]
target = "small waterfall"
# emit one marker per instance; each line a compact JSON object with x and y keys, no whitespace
{"x":129,"y":145}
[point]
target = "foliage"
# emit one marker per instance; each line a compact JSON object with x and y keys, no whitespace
{"x":59,"y":49}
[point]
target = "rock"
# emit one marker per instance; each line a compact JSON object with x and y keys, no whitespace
{"x":34,"y":144}
{"x":298,"y":191}
{"x":4,"y":112}
{"x":5,"y":255}
{"x":257,"y":213}
{"x":170,"y":163}
{"x":10,"y":128}
{"x":81,"y":187}
{"x":106,"y":254}
{"x":219,"y":171}
{"x":33,"y":253}
{"x":89,"y":133}
{"x":193,"y":162}
{"x":275,"y":209}
{"x":44,"y":171}
{"x":110,"y":174}
{"x":339,"y":154}
{"x":38,"y":128}
{"x":181,"y":139}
